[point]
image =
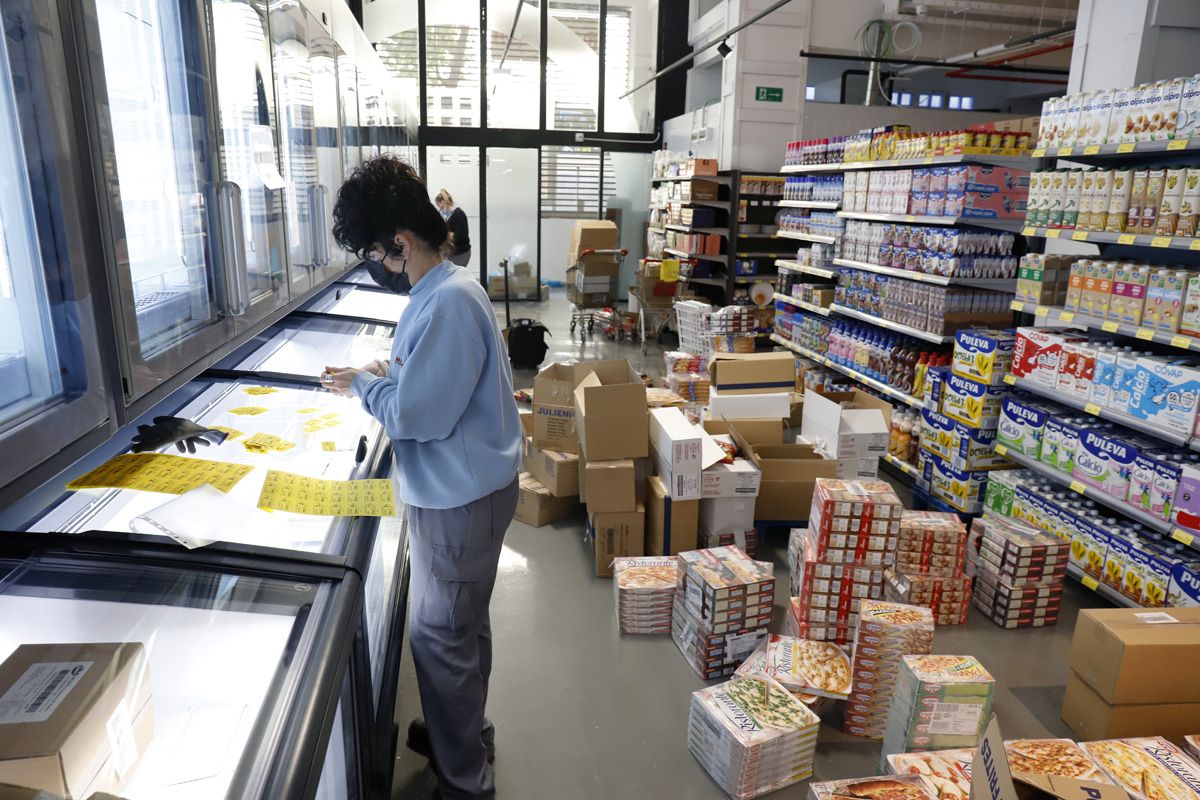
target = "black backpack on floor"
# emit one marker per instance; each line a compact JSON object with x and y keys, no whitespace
{"x":526,"y":337}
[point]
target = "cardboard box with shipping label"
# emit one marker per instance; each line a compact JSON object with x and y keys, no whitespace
{"x":536,"y":506}
{"x":671,"y":525}
{"x":846,"y":424}
{"x":1140,"y":656}
{"x":557,"y":471}
{"x":752,"y":373}
{"x":616,"y":533}
{"x":739,"y":479}
{"x":76,"y":718}
{"x":611,"y":485}
{"x":554,"y":409}
{"x":610,"y":411}
{"x":1090,"y":717}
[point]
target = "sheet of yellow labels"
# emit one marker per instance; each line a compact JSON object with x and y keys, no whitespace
{"x":160,"y":472}
{"x":299,"y":494}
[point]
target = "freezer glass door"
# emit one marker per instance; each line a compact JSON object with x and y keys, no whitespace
{"x":152,"y":87}
{"x":253,"y":189}
{"x":348,"y":97}
{"x":322,"y":57}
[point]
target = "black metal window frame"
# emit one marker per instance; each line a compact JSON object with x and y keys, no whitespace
{"x":482,"y":138}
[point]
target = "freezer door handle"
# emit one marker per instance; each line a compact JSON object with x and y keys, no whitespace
{"x":233,"y":248}
{"x":320,"y":237}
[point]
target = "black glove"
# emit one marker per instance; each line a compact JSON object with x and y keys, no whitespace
{"x":183,"y":432}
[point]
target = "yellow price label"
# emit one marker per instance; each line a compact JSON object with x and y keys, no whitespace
{"x":1183,"y":536}
{"x":1090,"y":582}
{"x":1041,"y":311}
{"x":1181,"y":341}
{"x":927,"y":160}
{"x":1078,"y":487}
{"x":1011,"y":380}
{"x":1127,"y":238}
{"x":910,"y":218}
{"x":668,"y":270}
{"x":1028,"y":231}
{"x":1160,"y":241}
{"x":1065,"y":151}
{"x":1145,"y":334}
{"x":1091,"y":150}
{"x":1001,"y":450}
{"x":1177,"y":144}
{"x":1016,"y":305}
{"x":1195,"y":245}
{"x":1038,"y":152}
{"x":1125,"y":147}
{"x":1109,"y":327}
{"x":1067,"y":316}
{"x":1093,"y":409}
{"x":1079,"y":236}
{"x":1052,"y":233}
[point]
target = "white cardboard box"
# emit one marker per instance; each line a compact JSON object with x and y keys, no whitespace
{"x":679,"y":485}
{"x":680,"y":444}
{"x":739,"y":479}
{"x":726,"y":514}
{"x":776,"y":405}
{"x":855,"y":432}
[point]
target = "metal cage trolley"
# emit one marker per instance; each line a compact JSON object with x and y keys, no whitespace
{"x":592,"y":285}
{"x":656,"y":297}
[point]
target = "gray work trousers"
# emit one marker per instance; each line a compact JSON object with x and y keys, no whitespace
{"x":453,"y":556}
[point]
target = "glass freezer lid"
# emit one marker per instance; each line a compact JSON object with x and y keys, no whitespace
{"x":355,"y":302}
{"x":306,"y":347}
{"x":359,"y":276}
{"x":288,"y":413}
{"x":190,"y":659}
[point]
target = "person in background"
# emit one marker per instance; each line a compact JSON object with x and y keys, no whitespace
{"x":445,"y":398}
{"x":456,"y":221}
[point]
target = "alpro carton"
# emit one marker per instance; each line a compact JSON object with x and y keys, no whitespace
{"x":554,"y":409}
{"x":983,"y":355}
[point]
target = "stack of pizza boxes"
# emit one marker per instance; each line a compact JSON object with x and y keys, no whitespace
{"x":886,"y":632}
{"x":645,"y":591}
{"x":941,"y":702}
{"x":1019,"y":573}
{"x":909,"y":787}
{"x":805,"y":668}
{"x":722,"y":606}
{"x":931,"y":555}
{"x":840,"y":558}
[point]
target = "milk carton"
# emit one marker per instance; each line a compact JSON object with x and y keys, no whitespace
{"x":1141,"y":479}
{"x":1089,"y":547}
{"x":1037,"y":351}
{"x":1021,"y":425}
{"x":1071,"y":120}
{"x":974,"y":404}
{"x":1123,"y":381}
{"x":1165,"y":394}
{"x":1116,"y":561}
{"x":1186,"y":510}
{"x":1185,"y":585}
{"x":1102,"y":376}
{"x":1044,"y":122}
{"x":1120,"y":123}
{"x":1060,"y":441}
{"x":1104,"y":462}
{"x":1167,"y":472}
{"x":1154,"y":565}
{"x":983,"y":355}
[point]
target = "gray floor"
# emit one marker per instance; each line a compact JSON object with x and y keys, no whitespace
{"x":585,"y":713}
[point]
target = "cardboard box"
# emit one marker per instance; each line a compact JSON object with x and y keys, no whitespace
{"x":727,"y":514}
{"x":775,"y":405}
{"x":789,"y":473}
{"x":671,"y":525}
{"x":846,"y":424}
{"x":683,"y":447}
{"x":536,"y":506}
{"x":739,"y":479}
{"x":1134,"y":655}
{"x":610,"y":405}
{"x":1086,"y":713}
{"x":591,"y":234}
{"x":582,"y":477}
{"x":610,"y":485}
{"x":616,"y":533}
{"x":752,"y":373}
{"x":554,"y":409}
{"x":87,"y":720}
{"x":755,"y":430}
{"x":557,"y":471}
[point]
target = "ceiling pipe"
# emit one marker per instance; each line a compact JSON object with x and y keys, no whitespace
{"x":968,"y":68}
{"x":983,"y":52}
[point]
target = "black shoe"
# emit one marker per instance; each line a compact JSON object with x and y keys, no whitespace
{"x":418,"y":741}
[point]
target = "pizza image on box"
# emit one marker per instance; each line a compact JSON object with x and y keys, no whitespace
{"x":820,"y":668}
{"x":946,"y":772}
{"x":1159,"y":766}
{"x":1052,"y":757}
{"x":888,"y":787}
{"x":646,"y":572}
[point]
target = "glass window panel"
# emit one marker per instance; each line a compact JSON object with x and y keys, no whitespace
{"x":456,"y":169}
{"x":512,"y":189}
{"x":513,"y":85}
{"x":323,"y":61}
{"x":572,"y":72}
{"x":627,"y":193}
{"x":630,"y":55}
{"x":348,"y":95}
{"x":294,"y":348}
{"x":968,"y":103}
{"x":452,"y":55}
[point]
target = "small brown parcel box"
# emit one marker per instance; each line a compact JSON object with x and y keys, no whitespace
{"x":554,"y":409}
{"x":537,"y":507}
{"x":610,"y":411}
{"x":76,"y":717}
{"x":752,"y":373}
{"x":591,"y":234}
{"x":671,"y":525}
{"x":616,"y":533}
{"x":993,"y":779}
{"x":1086,"y":713}
{"x":611,"y":485}
{"x":554,"y":469}
{"x":789,"y":474}
{"x":1133,"y":655}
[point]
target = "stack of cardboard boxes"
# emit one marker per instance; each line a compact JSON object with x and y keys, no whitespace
{"x":549,"y":484}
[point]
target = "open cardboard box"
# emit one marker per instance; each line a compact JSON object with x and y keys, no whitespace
{"x":789,"y":472}
{"x":850,"y":424}
{"x":554,"y":408}
{"x":611,"y":416}
{"x":752,"y":373}
{"x":992,"y":778}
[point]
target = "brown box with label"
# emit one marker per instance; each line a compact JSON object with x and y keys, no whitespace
{"x":611,"y":416}
{"x":556,"y":470}
{"x":591,"y":234}
{"x":77,"y":717}
{"x":1139,"y":656}
{"x":611,"y":485}
{"x":554,"y":409}
{"x":671,"y":525}
{"x":616,"y":533}
{"x":537,"y":507}
{"x":789,"y":474}
{"x":752,"y":373}
{"x":1090,"y":717}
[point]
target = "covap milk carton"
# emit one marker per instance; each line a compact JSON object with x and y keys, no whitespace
{"x":983,"y":355}
{"x":1105,"y":462}
{"x":1037,"y":351}
{"x":1165,"y":393}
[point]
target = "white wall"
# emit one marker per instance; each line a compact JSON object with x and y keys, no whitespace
{"x":1124,"y":42}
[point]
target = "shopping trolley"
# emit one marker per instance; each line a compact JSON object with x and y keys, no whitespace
{"x":656,"y":297}
{"x":592,"y":285}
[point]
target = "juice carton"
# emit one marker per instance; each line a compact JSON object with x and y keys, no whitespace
{"x":1165,"y":394}
{"x":1021,"y":425}
{"x":983,"y":355}
{"x":1104,"y":461}
{"x":974,"y":404}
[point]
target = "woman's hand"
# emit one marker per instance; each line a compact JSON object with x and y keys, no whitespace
{"x":378,"y":368}
{"x":337,"y":379}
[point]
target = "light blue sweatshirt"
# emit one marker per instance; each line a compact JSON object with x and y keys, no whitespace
{"x":447,"y":401}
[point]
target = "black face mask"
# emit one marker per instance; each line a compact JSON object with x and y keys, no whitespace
{"x":397,"y":282}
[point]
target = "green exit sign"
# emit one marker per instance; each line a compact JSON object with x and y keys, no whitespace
{"x":768,"y":94}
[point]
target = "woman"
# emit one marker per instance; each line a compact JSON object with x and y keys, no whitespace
{"x":445,"y":398}
{"x":456,"y":221}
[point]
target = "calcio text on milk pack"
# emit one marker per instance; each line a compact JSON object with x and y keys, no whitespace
{"x":1142,"y":478}
{"x":1165,"y":394}
{"x":1021,"y":425}
{"x":1105,"y":462}
{"x":983,"y":355}
{"x":1060,"y":441}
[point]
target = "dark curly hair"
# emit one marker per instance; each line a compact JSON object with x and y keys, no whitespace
{"x":382,"y":196}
